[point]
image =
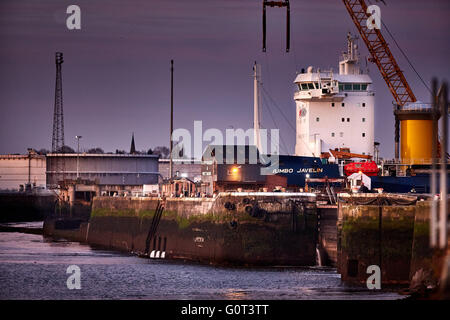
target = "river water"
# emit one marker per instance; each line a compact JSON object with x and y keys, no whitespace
{"x":34,"y":267}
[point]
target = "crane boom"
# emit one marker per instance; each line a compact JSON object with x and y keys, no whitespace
{"x":381,"y":54}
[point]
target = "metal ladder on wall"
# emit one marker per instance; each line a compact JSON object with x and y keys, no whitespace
{"x":154,"y":226}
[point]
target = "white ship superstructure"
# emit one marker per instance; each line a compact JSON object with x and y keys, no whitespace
{"x":335,"y":110}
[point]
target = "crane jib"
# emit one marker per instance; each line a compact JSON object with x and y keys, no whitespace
{"x":380,"y":52}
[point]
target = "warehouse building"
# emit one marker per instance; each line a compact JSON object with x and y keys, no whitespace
{"x":111,"y":172}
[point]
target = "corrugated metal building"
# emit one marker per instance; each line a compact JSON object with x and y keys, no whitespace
{"x":119,"y":171}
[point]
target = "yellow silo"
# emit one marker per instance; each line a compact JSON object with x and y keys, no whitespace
{"x":416,"y":132}
{"x":415,"y":137}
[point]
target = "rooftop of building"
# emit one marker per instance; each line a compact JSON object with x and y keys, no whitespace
{"x":21,"y":156}
{"x":103,"y":155}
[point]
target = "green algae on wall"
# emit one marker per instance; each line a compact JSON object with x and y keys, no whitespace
{"x":375,"y":234}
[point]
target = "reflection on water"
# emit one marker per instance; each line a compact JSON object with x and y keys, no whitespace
{"x":235,"y":294}
{"x":29,"y":225}
{"x":33,"y":267}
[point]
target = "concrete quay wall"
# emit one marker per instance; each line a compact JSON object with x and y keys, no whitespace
{"x":18,"y":206}
{"x":229,"y":229}
{"x":391,"y":232}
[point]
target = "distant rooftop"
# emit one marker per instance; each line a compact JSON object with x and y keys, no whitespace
{"x":103,"y":155}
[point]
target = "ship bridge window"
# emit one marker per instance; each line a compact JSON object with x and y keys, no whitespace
{"x":310,"y":86}
{"x":304,"y":86}
{"x":352,"y":87}
{"x":317,"y":85}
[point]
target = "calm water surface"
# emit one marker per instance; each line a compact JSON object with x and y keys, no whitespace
{"x":33,"y":267}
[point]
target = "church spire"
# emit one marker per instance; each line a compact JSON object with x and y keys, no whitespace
{"x":133,"y":148}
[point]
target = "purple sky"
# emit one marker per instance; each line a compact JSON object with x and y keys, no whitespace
{"x":116,"y":74}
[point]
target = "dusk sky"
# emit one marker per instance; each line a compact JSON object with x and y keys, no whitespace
{"x":116,"y":71}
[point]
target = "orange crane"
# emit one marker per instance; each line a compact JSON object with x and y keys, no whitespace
{"x":415,"y":127}
{"x":380,"y":53}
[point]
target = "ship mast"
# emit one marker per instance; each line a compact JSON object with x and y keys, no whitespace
{"x":171,"y":121}
{"x":256,"y":107}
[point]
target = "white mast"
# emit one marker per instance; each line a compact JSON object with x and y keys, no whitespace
{"x":256,"y":109}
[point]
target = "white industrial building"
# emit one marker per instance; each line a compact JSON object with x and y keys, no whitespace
{"x":16,"y":171}
{"x":335,"y":110}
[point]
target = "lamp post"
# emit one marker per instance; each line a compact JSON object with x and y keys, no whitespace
{"x":78,"y":155}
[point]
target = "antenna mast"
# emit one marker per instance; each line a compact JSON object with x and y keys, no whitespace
{"x":58,"y":115}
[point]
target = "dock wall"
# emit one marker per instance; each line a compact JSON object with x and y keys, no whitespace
{"x":227,"y":230}
{"x":25,"y":206}
{"x":392,"y":232}
{"x":327,"y":230}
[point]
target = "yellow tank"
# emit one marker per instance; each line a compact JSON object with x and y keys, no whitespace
{"x":415,"y":144}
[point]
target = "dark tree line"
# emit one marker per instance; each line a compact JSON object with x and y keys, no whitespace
{"x":161,"y":151}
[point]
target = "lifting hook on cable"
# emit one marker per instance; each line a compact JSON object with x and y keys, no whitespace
{"x":279,"y":4}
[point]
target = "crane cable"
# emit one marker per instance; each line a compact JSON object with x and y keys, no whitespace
{"x":403,"y":53}
{"x":285,"y":118}
{"x":275,"y":104}
{"x":273,"y":101}
{"x":267,"y":104}
{"x":406,"y":57}
{"x":275,"y":123}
